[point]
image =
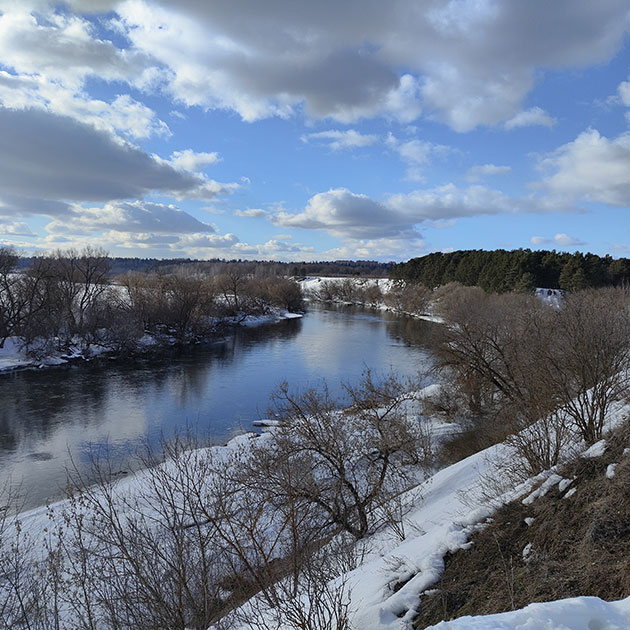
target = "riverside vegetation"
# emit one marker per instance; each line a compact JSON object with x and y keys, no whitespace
{"x":260,"y":535}
{"x":67,"y":300}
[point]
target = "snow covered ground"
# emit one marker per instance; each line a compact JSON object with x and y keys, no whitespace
{"x":12,"y":357}
{"x":399,"y":563}
{"x":575,"y":613}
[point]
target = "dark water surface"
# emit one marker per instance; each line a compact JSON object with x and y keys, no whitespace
{"x":52,"y":418}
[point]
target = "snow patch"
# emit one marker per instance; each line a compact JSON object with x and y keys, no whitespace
{"x":575,"y":613}
{"x":541,"y":491}
{"x":597,"y":450}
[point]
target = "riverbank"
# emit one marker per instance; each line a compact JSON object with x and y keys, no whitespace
{"x":13,"y":356}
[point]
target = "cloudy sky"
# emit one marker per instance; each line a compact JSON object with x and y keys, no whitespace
{"x":314,"y":129}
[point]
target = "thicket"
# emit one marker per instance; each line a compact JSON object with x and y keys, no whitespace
{"x":517,"y":270}
{"x":201,"y":533}
{"x":400,"y":296}
{"x":524,"y":371}
{"x":69,"y":298}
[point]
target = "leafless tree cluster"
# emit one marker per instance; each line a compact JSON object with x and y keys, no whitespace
{"x":58,"y":296}
{"x":400,"y":296}
{"x":255,"y":536}
{"x":536,"y":373}
{"x":68,"y":296}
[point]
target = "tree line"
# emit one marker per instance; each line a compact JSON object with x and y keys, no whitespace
{"x":70,"y":298}
{"x":517,"y":270}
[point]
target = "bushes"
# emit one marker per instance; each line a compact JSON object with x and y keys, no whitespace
{"x":184,"y":544}
{"x":537,"y":374}
{"x":66,"y":299}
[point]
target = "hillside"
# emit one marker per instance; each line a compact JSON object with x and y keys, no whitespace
{"x":571,"y":542}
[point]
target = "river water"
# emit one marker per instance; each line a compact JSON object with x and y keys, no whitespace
{"x":50,"y":420}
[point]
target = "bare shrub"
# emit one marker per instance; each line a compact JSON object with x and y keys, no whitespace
{"x":590,"y":356}
{"x":351,"y":460}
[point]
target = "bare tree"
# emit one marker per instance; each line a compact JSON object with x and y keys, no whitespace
{"x":589,"y":356}
{"x":350,"y":460}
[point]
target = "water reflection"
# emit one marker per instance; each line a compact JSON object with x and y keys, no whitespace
{"x":48,"y":419}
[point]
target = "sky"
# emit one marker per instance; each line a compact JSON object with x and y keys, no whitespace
{"x":314,"y":129}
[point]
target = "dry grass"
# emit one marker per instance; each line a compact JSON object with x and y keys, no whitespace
{"x":579,"y":546}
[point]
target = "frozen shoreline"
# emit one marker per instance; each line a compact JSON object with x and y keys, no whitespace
{"x":12,"y":358}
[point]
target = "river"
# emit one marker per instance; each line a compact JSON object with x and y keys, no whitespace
{"x":50,"y":420}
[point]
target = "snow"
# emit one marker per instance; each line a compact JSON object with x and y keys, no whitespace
{"x":385,"y":590}
{"x":12,"y":357}
{"x":541,"y":491}
{"x":570,"y":493}
{"x":553,"y":297}
{"x":564,"y":484}
{"x":529,"y":520}
{"x":597,"y":450}
{"x":575,"y":613}
{"x":610,"y":471}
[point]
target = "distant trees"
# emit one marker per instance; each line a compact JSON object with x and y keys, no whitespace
{"x":501,"y":271}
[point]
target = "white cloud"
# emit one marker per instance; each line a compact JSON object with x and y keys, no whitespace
{"x":63,"y":47}
{"x":417,"y":154}
{"x":535,"y":116}
{"x":480,"y":171}
{"x":468,"y":62}
{"x":14,"y":228}
{"x":623,"y":89}
{"x":251,"y":213}
{"x":345,"y":214}
{"x":591,"y":168}
{"x":472,"y":62}
{"x":213,"y":241}
{"x":138,"y":217}
{"x":561,"y":239}
{"x":123,"y":114}
{"x":338,"y":140}
{"x":189,"y":160}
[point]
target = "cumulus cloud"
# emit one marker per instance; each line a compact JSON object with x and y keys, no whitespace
{"x":55,"y":158}
{"x":535,"y":116}
{"x":14,"y":228}
{"x":480,"y":171}
{"x":345,"y":214}
{"x":123,"y":114}
{"x":64,"y":48}
{"x":138,"y":217}
{"x":623,"y":90}
{"x":561,"y":239}
{"x":338,"y":140}
{"x":213,"y":241}
{"x":469,"y":62}
{"x":189,"y":160}
{"x":417,"y":154}
{"x":591,"y":168}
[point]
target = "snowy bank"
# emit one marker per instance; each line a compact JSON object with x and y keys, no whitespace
{"x":14,"y":357}
{"x":575,"y":613}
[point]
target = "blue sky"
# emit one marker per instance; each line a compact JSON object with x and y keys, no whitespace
{"x":302,"y":130}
